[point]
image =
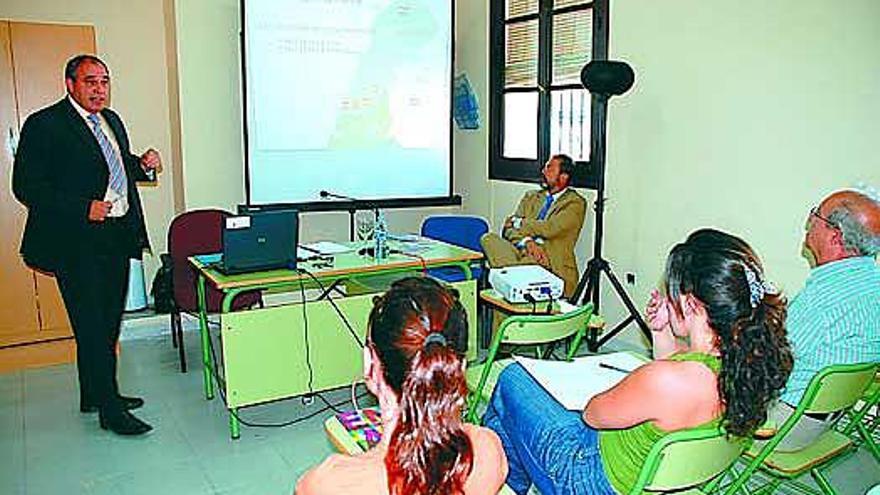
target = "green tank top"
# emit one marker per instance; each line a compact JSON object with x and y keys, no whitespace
{"x":624,"y":451}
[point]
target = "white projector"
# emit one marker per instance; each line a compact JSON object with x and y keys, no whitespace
{"x":525,"y":283}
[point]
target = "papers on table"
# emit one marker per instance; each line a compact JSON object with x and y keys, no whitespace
{"x":406,"y":237}
{"x":574,"y":383}
{"x":325,"y":248}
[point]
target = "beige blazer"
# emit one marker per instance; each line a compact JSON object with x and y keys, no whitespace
{"x":559,"y":229}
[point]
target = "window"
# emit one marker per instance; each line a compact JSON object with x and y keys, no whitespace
{"x":538,"y":106}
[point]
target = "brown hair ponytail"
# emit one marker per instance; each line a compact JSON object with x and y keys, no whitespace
{"x":720,"y":270}
{"x":419,"y":331}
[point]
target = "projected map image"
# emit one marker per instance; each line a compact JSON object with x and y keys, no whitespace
{"x":348,"y":95}
{"x":364,"y":80}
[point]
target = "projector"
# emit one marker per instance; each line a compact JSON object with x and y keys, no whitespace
{"x":525,"y":283}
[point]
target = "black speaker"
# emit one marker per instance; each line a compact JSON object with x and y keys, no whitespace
{"x":607,"y":77}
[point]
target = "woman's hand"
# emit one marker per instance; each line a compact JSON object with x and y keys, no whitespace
{"x":657,"y":311}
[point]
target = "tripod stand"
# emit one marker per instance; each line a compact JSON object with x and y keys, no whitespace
{"x":604,"y":79}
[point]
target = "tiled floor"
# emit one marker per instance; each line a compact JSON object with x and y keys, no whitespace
{"x":47,"y":446}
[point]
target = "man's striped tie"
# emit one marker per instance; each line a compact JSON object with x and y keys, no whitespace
{"x":117,"y":173}
{"x":546,"y":208}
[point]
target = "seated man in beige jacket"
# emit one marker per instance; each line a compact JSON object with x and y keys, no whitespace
{"x":545,"y":226}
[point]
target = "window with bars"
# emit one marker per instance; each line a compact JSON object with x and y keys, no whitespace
{"x":538,"y":106}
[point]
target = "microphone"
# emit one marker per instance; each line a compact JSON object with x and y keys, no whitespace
{"x":327,"y":194}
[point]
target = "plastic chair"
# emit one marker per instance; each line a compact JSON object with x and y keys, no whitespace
{"x":685,"y":459}
{"x":835,"y":389}
{"x":190,"y":233}
{"x":863,"y":430}
{"x":461,"y":230}
{"x":520,"y":330}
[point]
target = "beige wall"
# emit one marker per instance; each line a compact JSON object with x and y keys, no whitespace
{"x":743,"y":116}
{"x":131,"y":39}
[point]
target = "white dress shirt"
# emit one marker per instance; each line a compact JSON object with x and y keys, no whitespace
{"x":120,"y":201}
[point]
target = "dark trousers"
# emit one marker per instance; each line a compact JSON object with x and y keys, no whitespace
{"x":94,"y":287}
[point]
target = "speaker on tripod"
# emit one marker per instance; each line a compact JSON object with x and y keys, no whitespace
{"x":604,"y":79}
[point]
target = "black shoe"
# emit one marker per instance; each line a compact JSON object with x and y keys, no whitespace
{"x":127,"y":403}
{"x":123,"y":423}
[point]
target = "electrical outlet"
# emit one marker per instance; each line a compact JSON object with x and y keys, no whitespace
{"x":631,"y":278}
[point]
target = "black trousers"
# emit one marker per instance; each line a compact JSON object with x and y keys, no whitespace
{"x":93,"y":287}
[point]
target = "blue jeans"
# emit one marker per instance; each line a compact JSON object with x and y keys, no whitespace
{"x":545,"y":444}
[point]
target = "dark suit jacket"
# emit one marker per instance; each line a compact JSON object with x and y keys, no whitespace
{"x":59,"y":169}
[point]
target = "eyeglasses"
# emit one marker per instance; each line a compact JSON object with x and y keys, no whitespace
{"x":814,"y":213}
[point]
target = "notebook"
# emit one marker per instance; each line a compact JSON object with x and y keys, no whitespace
{"x":264,"y":240}
{"x":573,"y":383}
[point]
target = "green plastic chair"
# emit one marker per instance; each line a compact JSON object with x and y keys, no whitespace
{"x":835,"y":389}
{"x":683,"y":460}
{"x":519,"y":330}
{"x":862,"y":421}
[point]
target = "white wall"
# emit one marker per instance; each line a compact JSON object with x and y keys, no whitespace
{"x":744,"y":115}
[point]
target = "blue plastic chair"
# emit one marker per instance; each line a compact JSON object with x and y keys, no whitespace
{"x":461,"y":230}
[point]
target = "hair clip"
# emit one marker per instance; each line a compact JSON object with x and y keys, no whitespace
{"x":757,"y":288}
{"x":434,"y":338}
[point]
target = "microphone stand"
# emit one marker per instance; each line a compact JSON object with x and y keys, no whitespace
{"x":588,"y":286}
{"x":352,"y":209}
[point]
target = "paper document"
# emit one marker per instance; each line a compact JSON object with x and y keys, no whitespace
{"x":327,"y":247}
{"x":405,"y":237}
{"x":574,"y":383}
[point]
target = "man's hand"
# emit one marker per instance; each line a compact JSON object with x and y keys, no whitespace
{"x":98,"y":210}
{"x":537,"y":252}
{"x":657,"y":311}
{"x":151,"y":160}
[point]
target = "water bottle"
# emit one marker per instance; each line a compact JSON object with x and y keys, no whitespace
{"x":381,"y":235}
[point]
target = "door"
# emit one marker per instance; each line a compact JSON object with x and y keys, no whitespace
{"x":18,"y":306}
{"x":36,"y":54}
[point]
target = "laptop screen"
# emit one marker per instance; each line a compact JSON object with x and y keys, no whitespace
{"x":264,"y":240}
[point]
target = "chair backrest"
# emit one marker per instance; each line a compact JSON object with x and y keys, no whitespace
{"x":461,"y":230}
{"x":837,"y":387}
{"x":541,"y":329}
{"x":687,"y":458}
{"x":190,"y":233}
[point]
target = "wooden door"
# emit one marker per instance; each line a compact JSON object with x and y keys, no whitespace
{"x":39,"y":52}
{"x":18,"y":305}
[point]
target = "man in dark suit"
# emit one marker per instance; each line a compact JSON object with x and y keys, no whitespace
{"x":76,"y":175}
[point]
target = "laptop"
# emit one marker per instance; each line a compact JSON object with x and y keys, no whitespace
{"x":264,"y":240}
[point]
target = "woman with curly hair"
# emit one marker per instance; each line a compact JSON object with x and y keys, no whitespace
{"x":414,"y":364}
{"x":721,"y":356}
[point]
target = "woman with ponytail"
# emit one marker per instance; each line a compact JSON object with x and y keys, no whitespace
{"x":721,"y":357}
{"x":414,"y":364}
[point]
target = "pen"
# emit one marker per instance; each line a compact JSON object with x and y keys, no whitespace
{"x":310,"y":249}
{"x":615,"y":368}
